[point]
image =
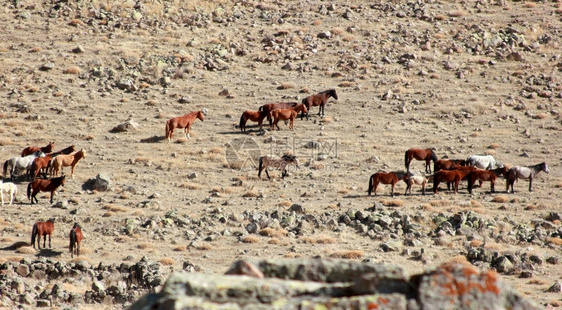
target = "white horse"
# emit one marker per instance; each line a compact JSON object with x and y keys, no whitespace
{"x":487,"y":162}
{"x":265,"y":162}
{"x":415,"y":179}
{"x":21,"y":163}
{"x":8,"y":188}
{"x":526,"y":173}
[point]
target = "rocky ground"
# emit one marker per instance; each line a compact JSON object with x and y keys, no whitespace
{"x":460,"y":77}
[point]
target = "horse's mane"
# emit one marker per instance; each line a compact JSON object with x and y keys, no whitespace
{"x":288,"y":157}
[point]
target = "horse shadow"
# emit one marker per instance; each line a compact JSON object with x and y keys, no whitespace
{"x":153,"y":139}
{"x":15,"y":246}
{"x":49,"y":253}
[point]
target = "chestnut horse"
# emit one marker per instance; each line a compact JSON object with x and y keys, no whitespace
{"x":42,"y":229}
{"x":265,"y":162}
{"x":526,"y":173}
{"x":32,"y":149}
{"x":40,"y":185}
{"x":62,"y":160}
{"x":485,"y":175}
{"x":40,"y":163}
{"x":268,"y":107}
{"x":420,"y":154}
{"x":385,"y":178}
{"x":448,"y":164}
{"x":254,"y":116}
{"x":454,"y":176}
{"x":75,"y":237}
{"x":286,"y":114}
{"x":184,"y":122}
{"x":319,"y":99}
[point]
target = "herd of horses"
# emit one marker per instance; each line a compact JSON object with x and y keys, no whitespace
{"x":482,"y":168}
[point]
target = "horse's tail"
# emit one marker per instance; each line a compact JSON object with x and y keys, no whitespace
{"x":406,"y":163}
{"x":167,"y":128}
{"x":5,"y":167}
{"x":370,"y":184}
{"x":29,"y":190}
{"x":33,"y":234}
{"x":72,"y":240}
{"x":242,"y":122}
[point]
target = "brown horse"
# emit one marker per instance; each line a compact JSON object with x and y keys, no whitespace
{"x":265,"y":162}
{"x":40,"y":163}
{"x":415,"y":179}
{"x":65,"y":151}
{"x":286,"y":114}
{"x":420,"y":154}
{"x":184,"y":122}
{"x":453,"y":176}
{"x":75,"y":237}
{"x":385,"y":178}
{"x":62,"y":160}
{"x":40,"y":185}
{"x":42,"y":229}
{"x":254,"y":116}
{"x":32,"y":149}
{"x":447,"y":164}
{"x":485,"y":175}
{"x":268,"y":107}
{"x":319,"y":99}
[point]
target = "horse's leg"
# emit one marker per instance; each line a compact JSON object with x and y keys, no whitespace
{"x":45,"y":240}
{"x":530,"y":182}
{"x":267,"y":173}
{"x":392,"y":190}
{"x":52,"y":193}
{"x":423,"y":188}
{"x":492,"y":186}
{"x":72,"y":171}
{"x":49,"y":241}
{"x":291,"y":125}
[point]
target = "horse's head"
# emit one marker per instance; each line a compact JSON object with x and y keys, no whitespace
{"x":332,"y":92}
{"x":76,"y":225}
{"x":545,"y":167}
{"x":201,"y":114}
{"x":39,"y":154}
{"x":62,"y":179}
{"x":51,"y":220}
{"x":433,"y":156}
{"x":81,"y":153}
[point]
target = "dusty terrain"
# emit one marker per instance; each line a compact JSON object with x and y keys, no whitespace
{"x":462,"y":78}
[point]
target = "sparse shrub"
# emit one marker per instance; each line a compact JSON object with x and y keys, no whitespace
{"x":353,"y":254}
{"x":167,"y":261}
{"x":72,"y":70}
{"x":250,"y":239}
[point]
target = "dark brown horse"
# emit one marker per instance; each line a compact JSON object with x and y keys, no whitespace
{"x":40,"y":185}
{"x":447,"y":164}
{"x":286,"y":114}
{"x":385,"y":178}
{"x":75,"y":237}
{"x":484,"y":176}
{"x":420,"y":154}
{"x":319,"y":99}
{"x":66,"y":150}
{"x":453,"y":176}
{"x":254,"y":116}
{"x":32,"y":149}
{"x":184,"y":122}
{"x":42,"y":229}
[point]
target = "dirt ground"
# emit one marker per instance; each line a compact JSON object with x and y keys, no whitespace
{"x":461,"y":78}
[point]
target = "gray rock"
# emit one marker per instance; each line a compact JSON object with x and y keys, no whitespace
{"x":23,"y":270}
{"x":556,"y":287}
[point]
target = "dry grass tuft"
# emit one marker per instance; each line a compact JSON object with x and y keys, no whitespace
{"x":476,"y":243}
{"x":440,"y":17}
{"x":14,"y":258}
{"x":337,"y":31}
{"x":144,"y":246}
{"x":457,"y":13}
{"x":35,"y":49}
{"x":500,"y":199}
{"x":274,"y":241}
{"x":180,"y":248}
{"x":250,"y":194}
{"x":458,"y":259}
{"x":317,"y":22}
{"x":72,"y":70}
{"x":114,"y":208}
{"x":440,"y":203}
{"x":270,"y":232}
{"x":287,"y":85}
{"x":393,"y":203}
{"x":554,"y":240}
{"x":353,"y":254}
{"x":541,"y":115}
{"x":493,"y":146}
{"x":250,"y":239}
{"x":167,"y":261}
{"x":476,"y":204}
{"x":347,"y":84}
{"x":428,"y":208}
{"x":493,"y":246}
{"x":530,"y":5}
{"x":204,"y":247}
{"x":26,"y":250}
{"x":189,"y":185}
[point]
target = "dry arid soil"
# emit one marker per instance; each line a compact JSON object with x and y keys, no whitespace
{"x":461,"y":77}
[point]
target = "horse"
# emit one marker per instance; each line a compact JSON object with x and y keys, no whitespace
{"x":254,"y":116}
{"x":454,"y":176}
{"x":60,"y":161}
{"x":447,"y":164}
{"x":268,"y":107}
{"x":385,"y":178}
{"x":42,"y":229}
{"x":21,"y":162}
{"x":8,"y":188}
{"x":286,"y":114}
{"x":525,"y":173}
{"x":40,"y":185}
{"x":487,"y":162}
{"x":420,"y":154}
{"x":32,"y":149}
{"x":485,"y":175}
{"x":415,"y":179}
{"x":319,"y":99}
{"x":66,"y":151}
{"x":184,"y":122}
{"x":265,"y":162}
{"x":40,"y":163}
{"x":75,"y":237}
